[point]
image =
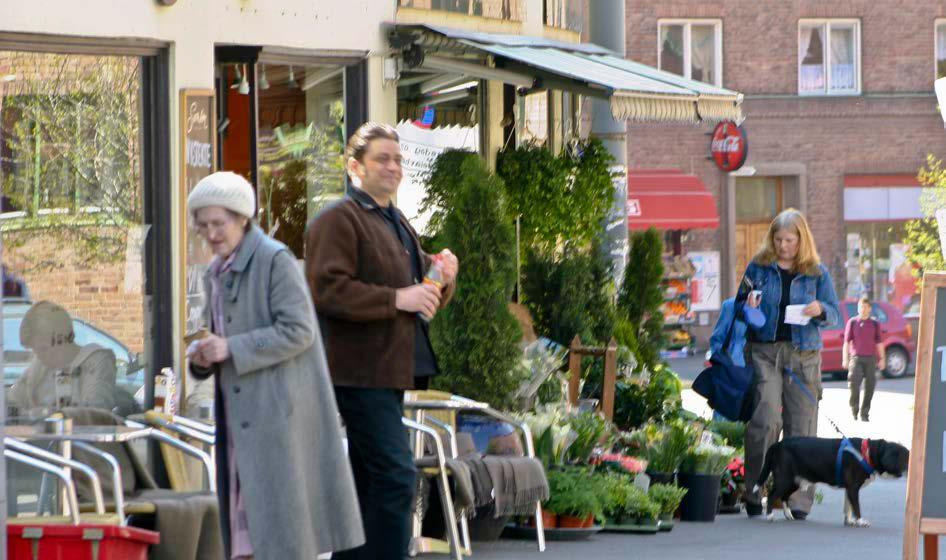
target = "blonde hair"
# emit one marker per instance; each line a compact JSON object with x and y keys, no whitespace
{"x":807,"y":261}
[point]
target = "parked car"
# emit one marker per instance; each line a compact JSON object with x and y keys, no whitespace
{"x":16,"y":358}
{"x":896,"y":335}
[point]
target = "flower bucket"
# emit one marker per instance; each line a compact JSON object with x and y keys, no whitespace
{"x":702,"y":497}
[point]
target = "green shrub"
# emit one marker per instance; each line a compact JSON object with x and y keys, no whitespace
{"x":667,"y":497}
{"x":637,"y":403}
{"x":590,"y":429}
{"x":639,"y":505}
{"x":733,"y":432}
{"x":476,"y":338}
{"x":640,"y":296}
{"x":573,"y":491}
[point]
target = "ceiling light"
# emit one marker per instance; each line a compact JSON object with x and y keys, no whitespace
{"x":244,"y":88}
{"x":292,"y":78}
{"x":263,"y":82}
{"x":238,"y":77}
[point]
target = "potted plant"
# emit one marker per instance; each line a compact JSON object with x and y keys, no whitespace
{"x":733,"y":486}
{"x":640,"y":510}
{"x":666,"y":448}
{"x":591,"y":429}
{"x":700,"y":474}
{"x":572,"y":497}
{"x":668,"y":498}
{"x":613,"y":491}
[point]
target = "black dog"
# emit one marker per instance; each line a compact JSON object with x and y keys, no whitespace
{"x":798,"y":460}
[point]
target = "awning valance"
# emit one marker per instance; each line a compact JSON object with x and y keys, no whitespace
{"x":636,"y":91}
{"x":669,"y":199}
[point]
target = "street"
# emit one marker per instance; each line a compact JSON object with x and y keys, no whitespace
{"x":736,"y":537}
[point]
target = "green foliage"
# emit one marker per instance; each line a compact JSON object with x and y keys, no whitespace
{"x":638,"y":505}
{"x":667,"y":497}
{"x":640,"y":296}
{"x":590,"y":429}
{"x":569,"y":295}
{"x":573,"y":491}
{"x":559,"y":199}
{"x":922,"y":234}
{"x":637,"y":402}
{"x":667,"y":445}
{"x":613,"y":490}
{"x":476,"y":337}
{"x":707,"y":458}
{"x":734,"y":433}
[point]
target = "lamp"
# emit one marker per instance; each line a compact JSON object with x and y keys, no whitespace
{"x":244,"y":88}
{"x":263,"y":82}
{"x":237,"y":78}
{"x":292,"y":78}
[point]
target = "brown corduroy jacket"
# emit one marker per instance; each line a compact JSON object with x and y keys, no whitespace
{"x":354,"y":264}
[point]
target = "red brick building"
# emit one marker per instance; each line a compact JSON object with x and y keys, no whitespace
{"x":839,"y":112}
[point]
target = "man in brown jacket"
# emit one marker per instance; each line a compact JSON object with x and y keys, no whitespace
{"x":365,"y":269}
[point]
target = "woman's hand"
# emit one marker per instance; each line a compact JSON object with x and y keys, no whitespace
{"x":211,"y":350}
{"x":813,"y":309}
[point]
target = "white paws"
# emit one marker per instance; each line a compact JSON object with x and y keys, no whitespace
{"x":787,"y":511}
{"x":860,"y":522}
{"x":770,"y":517}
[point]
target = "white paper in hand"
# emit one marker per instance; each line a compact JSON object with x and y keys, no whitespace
{"x":794,"y":315}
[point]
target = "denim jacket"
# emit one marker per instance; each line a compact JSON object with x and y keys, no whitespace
{"x":805,"y":289}
{"x":736,"y":345}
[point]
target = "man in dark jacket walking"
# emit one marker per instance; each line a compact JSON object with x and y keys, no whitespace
{"x":365,"y":269}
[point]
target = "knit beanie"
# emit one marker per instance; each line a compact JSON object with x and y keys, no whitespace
{"x":48,"y":320}
{"x":225,"y":189}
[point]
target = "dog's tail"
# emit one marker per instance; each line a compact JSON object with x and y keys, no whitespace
{"x":766,"y":468}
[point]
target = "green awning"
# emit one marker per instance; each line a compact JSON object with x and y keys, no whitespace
{"x":636,"y":92}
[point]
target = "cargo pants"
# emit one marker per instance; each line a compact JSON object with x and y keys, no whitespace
{"x":782,"y":407}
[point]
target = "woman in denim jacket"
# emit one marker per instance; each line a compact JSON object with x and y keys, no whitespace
{"x":786,"y":271}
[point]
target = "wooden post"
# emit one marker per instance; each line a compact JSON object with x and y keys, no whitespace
{"x":610,"y":378}
{"x":574,"y":370}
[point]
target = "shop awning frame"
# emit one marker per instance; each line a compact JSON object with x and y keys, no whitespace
{"x":636,"y":92}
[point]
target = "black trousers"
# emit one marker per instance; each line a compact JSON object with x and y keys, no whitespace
{"x":383,"y":466}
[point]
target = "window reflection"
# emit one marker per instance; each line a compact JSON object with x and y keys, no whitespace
{"x":301,"y":146}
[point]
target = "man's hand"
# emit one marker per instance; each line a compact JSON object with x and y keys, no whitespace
{"x":845,"y":363}
{"x":449,"y":266}
{"x":813,"y":309}
{"x":419,"y":298}
{"x":882,"y":364}
{"x":211,"y":350}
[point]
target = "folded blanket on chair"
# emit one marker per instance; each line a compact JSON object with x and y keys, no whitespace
{"x":189,"y":524}
{"x":463,"y":493}
{"x":518,"y":483}
{"x":482,"y":483}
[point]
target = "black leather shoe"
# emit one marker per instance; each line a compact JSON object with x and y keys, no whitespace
{"x":753,"y":510}
{"x":799,"y":515}
{"x":865,"y":417}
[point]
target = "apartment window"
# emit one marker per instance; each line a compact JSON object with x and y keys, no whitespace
{"x":829,"y":57}
{"x":692,"y":49}
{"x":940,"y":48}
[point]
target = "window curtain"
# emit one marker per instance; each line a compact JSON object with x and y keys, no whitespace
{"x":843,"y":75}
{"x":703,"y":53}
{"x":671,"y":49}
{"x":811,"y":59}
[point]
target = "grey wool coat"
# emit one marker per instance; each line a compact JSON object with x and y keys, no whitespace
{"x":295,"y":478}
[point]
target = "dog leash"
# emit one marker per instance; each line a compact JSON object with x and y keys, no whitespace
{"x":846,"y":445}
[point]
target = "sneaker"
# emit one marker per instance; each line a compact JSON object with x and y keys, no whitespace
{"x":799,"y":515}
{"x":854,"y":412}
{"x":865,"y":417}
{"x":753,"y":510}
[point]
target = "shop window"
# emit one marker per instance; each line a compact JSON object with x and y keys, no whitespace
{"x":877,"y":265}
{"x":940,"y":47}
{"x":829,"y":57}
{"x":692,"y":49}
{"x":300,"y":147}
{"x":72,"y":147}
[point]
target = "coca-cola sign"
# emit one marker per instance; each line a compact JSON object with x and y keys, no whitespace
{"x":729,"y":147}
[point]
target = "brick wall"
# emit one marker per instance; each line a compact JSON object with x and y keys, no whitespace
{"x":889,"y":129}
{"x":96,"y":294}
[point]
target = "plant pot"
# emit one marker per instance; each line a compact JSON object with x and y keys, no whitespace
{"x":702,"y":497}
{"x":589,"y":521}
{"x":662,"y":478}
{"x":571,"y":522}
{"x":549,"y":520}
{"x":666,"y":521}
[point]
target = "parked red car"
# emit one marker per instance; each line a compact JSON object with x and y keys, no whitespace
{"x":897,"y":339}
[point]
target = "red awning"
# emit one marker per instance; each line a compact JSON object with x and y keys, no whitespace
{"x":669,"y":199}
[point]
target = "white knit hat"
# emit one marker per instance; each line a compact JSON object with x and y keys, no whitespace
{"x":225,"y":189}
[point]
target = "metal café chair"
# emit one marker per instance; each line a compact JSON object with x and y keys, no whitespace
{"x":72,"y":502}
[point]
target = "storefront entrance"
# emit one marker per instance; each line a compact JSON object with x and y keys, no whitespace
{"x":758,"y":201}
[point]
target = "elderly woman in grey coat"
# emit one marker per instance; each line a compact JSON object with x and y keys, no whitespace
{"x":284,"y":483}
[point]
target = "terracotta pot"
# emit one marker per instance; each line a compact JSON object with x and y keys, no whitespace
{"x":570,"y":522}
{"x":589,"y":521}
{"x":549,"y":520}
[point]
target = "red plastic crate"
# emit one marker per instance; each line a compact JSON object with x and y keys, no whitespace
{"x":78,"y":542}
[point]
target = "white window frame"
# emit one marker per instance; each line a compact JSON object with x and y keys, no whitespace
{"x":827,"y":22}
{"x":936,"y":25}
{"x":687,"y":25}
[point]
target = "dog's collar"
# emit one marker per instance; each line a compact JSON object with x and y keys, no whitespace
{"x":865,"y":452}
